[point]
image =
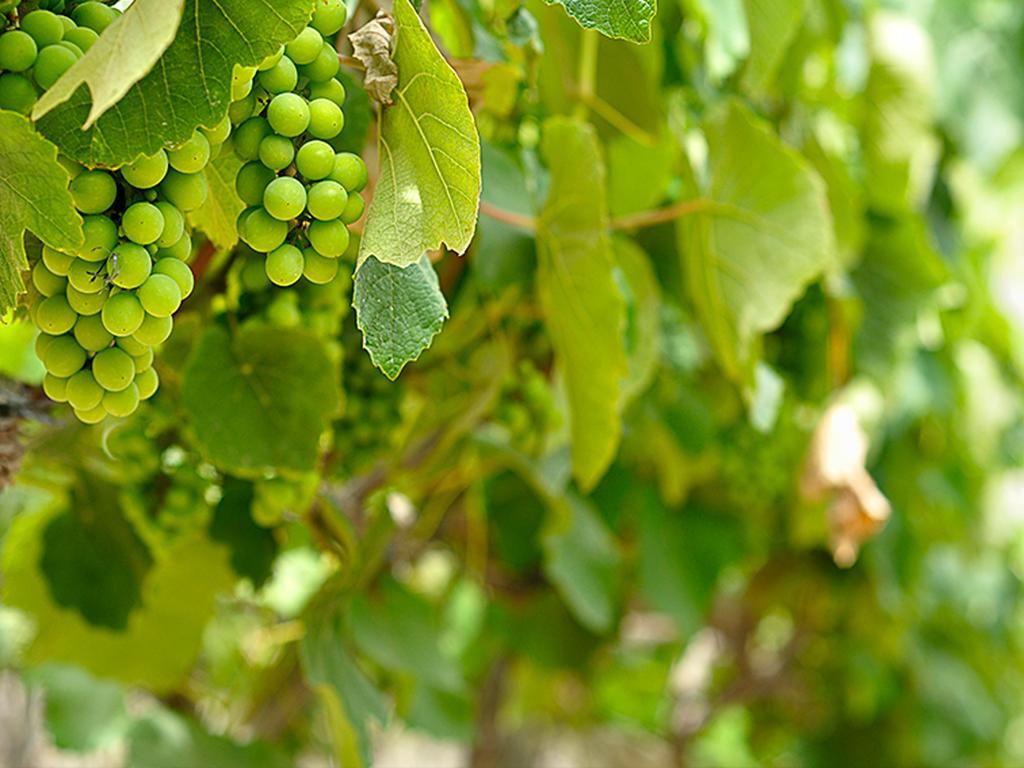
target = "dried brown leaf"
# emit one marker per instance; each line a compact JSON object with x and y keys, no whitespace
{"x":374,"y":45}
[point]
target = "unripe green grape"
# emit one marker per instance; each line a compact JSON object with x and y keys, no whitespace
{"x":329,"y":16}
{"x":288,"y":114}
{"x":86,"y":276}
{"x":332,"y":90}
{"x":58,"y":263}
{"x":57,"y":6}
{"x":281,"y":78}
{"x":95,"y":16}
{"x":306,"y":47}
{"x":129,"y":266}
{"x":43,"y":341}
{"x":83,"y":37}
{"x":47,"y":283}
{"x":253,"y":276}
{"x":132,"y":345}
{"x":93,"y":416}
{"x":64,"y":357}
{"x":315,"y":160}
{"x":143,"y":223}
{"x":241,"y":82}
{"x":55,"y":316}
{"x":187,"y":191}
{"x":147,"y":171}
{"x":248,"y":137}
{"x":219,"y":133}
{"x":353,"y":209}
{"x":91,"y":335}
{"x":18,"y":51}
{"x":143,"y":361}
{"x":284,"y":313}
{"x":271,"y":61}
{"x":100,"y":238}
{"x":154,"y":330}
{"x":285,"y":198}
{"x":328,"y":238}
{"x":327,"y":200}
{"x":241,"y":110}
{"x":44,"y":27}
{"x":147,"y":382}
{"x":75,"y":50}
{"x":324,"y":67}
{"x":17,"y":93}
{"x":122,"y":404}
{"x":326,"y":120}
{"x":284,"y":265}
{"x":262,"y":232}
{"x":160,"y":295}
{"x":179,"y":272}
{"x":83,"y":392}
{"x":181,"y":250}
{"x":276,"y":152}
{"x":93,"y":191}
{"x":51,"y":64}
{"x":56,"y":388}
{"x":192,"y":156}
{"x":123,"y":314}
{"x":251,"y":182}
{"x":350,"y":171}
{"x":174,"y":225}
{"x":318,"y":269}
{"x":114,"y":369}
{"x":86,"y":304}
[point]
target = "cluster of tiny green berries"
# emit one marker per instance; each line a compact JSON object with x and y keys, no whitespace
{"x":301,"y":194}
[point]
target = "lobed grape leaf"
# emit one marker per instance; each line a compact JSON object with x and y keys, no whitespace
{"x":399,"y":310}
{"x":260,"y":399}
{"x":189,"y":86}
{"x":217,"y":217}
{"x":124,"y":54}
{"x":428,"y":190}
{"x":772,"y":25}
{"x":628,"y":19}
{"x":34,"y":197}
{"x":583,"y":306}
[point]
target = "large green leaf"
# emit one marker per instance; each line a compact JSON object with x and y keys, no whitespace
{"x":399,"y":310}
{"x":260,"y":399}
{"x":583,"y":306}
{"x":772,"y":25}
{"x":630,"y":19}
{"x":761,"y":232}
{"x":428,"y":190}
{"x":34,"y":197}
{"x":214,"y":35}
{"x":124,"y":54}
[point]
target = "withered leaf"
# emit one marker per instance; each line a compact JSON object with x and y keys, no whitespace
{"x":373,"y":45}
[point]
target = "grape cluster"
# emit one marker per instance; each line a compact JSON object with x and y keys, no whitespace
{"x":527,"y":408}
{"x":44,"y":47}
{"x":301,"y":194}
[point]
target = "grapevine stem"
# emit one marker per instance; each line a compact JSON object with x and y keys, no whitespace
{"x":588,"y":70}
{"x":351,"y":61}
{"x":661,"y":215}
{"x":618,"y":120}
{"x":518,"y":220}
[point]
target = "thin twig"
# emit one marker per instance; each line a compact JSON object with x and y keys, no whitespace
{"x":519,"y":220}
{"x":660,"y":215}
{"x":351,"y":62}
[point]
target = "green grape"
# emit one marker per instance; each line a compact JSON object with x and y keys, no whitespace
{"x":276,"y":152}
{"x":100,"y":238}
{"x":327,"y":200}
{"x":262,"y":231}
{"x":75,"y":50}
{"x":306,"y":47}
{"x":143,"y":223}
{"x":51,"y":64}
{"x":93,"y":416}
{"x":254,"y":276}
{"x":242,"y":110}
{"x":58,"y":263}
{"x":154,"y":330}
{"x":326,"y":120}
{"x":56,"y":388}
{"x":318,"y":269}
{"x":70,"y":166}
{"x":329,"y":16}
{"x":43,"y":341}
{"x":271,"y":61}
{"x":17,"y":93}
{"x":181,"y":250}
{"x":251,"y":181}
{"x":95,"y":16}
{"x":192,"y":156}
{"x":147,"y":171}
{"x":160,"y":295}
{"x":122,"y":314}
{"x":143,"y":361}
{"x":187,"y":191}
{"x":179,"y":272}
{"x":248,"y":137}
{"x":64,"y":357}
{"x":91,"y":335}
{"x":122,"y":404}
{"x":147,"y":382}
{"x":328,"y":238}
{"x":55,"y":316}
{"x":281,"y":78}
{"x":45,"y":28}
{"x":114,"y":369}
{"x":57,"y":6}
{"x":83,"y":37}
{"x":174,"y":225}
{"x":18,"y":51}
{"x":83,"y":392}
{"x":86,"y":303}
{"x":350,"y":171}
{"x":353,"y":209}
{"x":84,"y":276}
{"x":132,"y":345}
{"x":129,"y":266}
{"x":241,"y":82}
{"x":332,"y":90}
{"x":315,"y":160}
{"x":47,"y":283}
{"x":93,"y":191}
{"x":219,"y":133}
{"x":288,"y":114}
{"x":324,"y":67}
{"x":283,"y":312}
{"x":284,"y":265}
{"x":285,"y":198}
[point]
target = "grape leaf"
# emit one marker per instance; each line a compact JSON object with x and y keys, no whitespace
{"x":759,"y":235}
{"x":253,"y":548}
{"x":428,"y":190}
{"x":583,"y":306}
{"x":218,"y":215}
{"x":643,"y":314}
{"x":165,"y":739}
{"x":260,"y":399}
{"x":772,"y":25}
{"x":82,"y":713}
{"x":124,"y":54}
{"x":399,"y":310}
{"x":34,"y":197}
{"x":214,"y":35}
{"x":630,"y":20}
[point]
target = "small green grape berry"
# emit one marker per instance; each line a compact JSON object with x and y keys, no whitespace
{"x":262,"y":232}
{"x":114,"y":369}
{"x":315,"y":160}
{"x":63,"y":356}
{"x":329,"y":17}
{"x":179,"y":272}
{"x":160,"y":295}
{"x":324,"y":67}
{"x":154,"y":330}
{"x":148,"y":382}
{"x":132,"y":345}
{"x":91,"y":335}
{"x":100,"y":238}
{"x":181,"y":250}
{"x":328,"y":238}
{"x":51,"y":64}
{"x":219,"y":133}
{"x":276,"y":152}
{"x":288,"y":114}
{"x":44,"y":27}
{"x":96,"y":16}
{"x":55,"y":316}
{"x":147,"y":171}
{"x":122,"y":404}
{"x":174,"y":225}
{"x":129,"y":266}
{"x":192,"y":156}
{"x":327,"y":200}
{"x":58,"y":263}
{"x":94,"y":416}
{"x":86,"y":303}
{"x":332,"y":90}
{"x":93,"y":191}
{"x":47,"y":283}
{"x":251,"y":182}
{"x":353,"y":209}
{"x":55,"y":388}
{"x":284,"y":265}
{"x":285,"y":198}
{"x":318,"y":269}
{"x":282,"y":78}
{"x":326,"y":120}
{"x":306,"y":47}
{"x":187,"y":191}
{"x":17,"y":93}
{"x":248,"y":137}
{"x":83,"y":392}
{"x":122,"y":314}
{"x":143,"y":360}
{"x":83,"y":37}
{"x":143,"y":223}
{"x":18,"y":51}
